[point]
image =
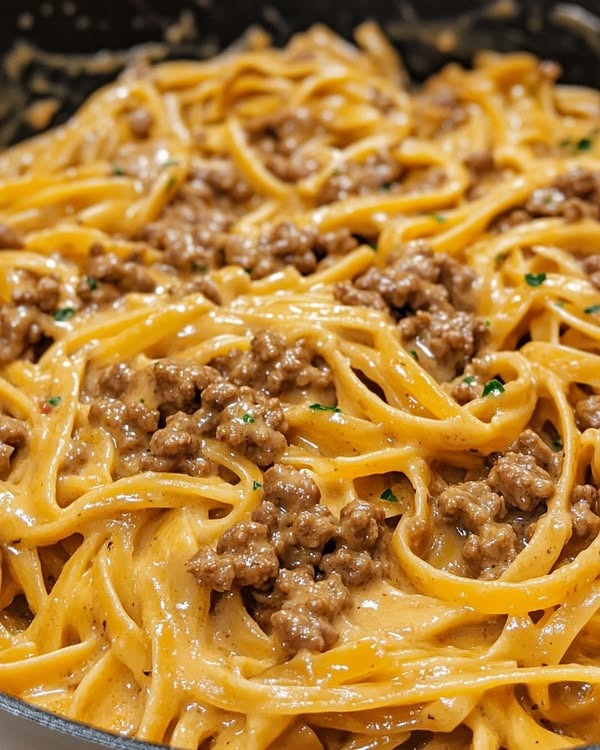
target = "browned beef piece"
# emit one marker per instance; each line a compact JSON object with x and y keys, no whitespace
{"x":115,"y":380}
{"x":254,"y":425}
{"x":130,"y":424}
{"x":587,"y":413}
{"x":591,"y":266}
{"x":43,"y":293}
{"x":471,"y":504}
{"x":109,"y":277}
{"x":348,"y":294}
{"x":585,"y":511}
{"x":192,"y":230}
{"x":10,"y":239}
{"x":492,"y":549}
{"x":519,"y":479}
{"x":314,"y":558}
{"x":274,"y":366}
{"x":279,"y":138}
{"x":531,"y":444}
{"x":451,"y":337}
{"x":176,"y":447}
{"x":140,"y":121}
{"x":498,"y":511}
{"x":244,"y":557}
{"x":20,"y":333}
{"x":305,"y":621}
{"x":491,"y":545}
{"x":377,"y":172}
{"x":284,"y":245}
{"x":573,"y":196}
{"x":179,"y":384}
{"x":438,"y":109}
{"x":13,"y":435}
{"x":431,"y":295}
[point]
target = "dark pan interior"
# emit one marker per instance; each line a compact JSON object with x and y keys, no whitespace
{"x":72,"y":31}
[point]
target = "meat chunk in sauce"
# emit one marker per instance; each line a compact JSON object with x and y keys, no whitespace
{"x":108,"y":277}
{"x":285,"y":245}
{"x":305,"y":559}
{"x":13,"y":436}
{"x":587,"y":413}
{"x":496,"y":511}
{"x":432,"y":298}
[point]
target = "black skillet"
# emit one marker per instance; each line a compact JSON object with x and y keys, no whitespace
{"x":568,"y":32}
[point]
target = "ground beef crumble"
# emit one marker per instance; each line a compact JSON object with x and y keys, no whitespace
{"x":295,"y":561}
{"x":107,"y":277}
{"x":587,"y":412}
{"x":279,"y":137}
{"x":572,"y":196}
{"x":160,"y":415}
{"x":496,"y":512}
{"x":286,"y":244}
{"x":432,"y":297}
{"x":379,"y":171}
{"x":13,"y":436}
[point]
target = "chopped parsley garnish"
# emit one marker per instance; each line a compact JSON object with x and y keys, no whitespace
{"x":592,"y":309}
{"x":535,"y":279}
{"x":63,"y":313}
{"x":320,"y":407}
{"x":440,"y":218}
{"x":557,"y":444}
{"x":386,"y":186}
{"x":468,"y":379}
{"x":170,"y":163}
{"x":492,"y":388}
{"x":487,"y":322}
{"x":247,"y":419}
{"x":199,"y":267}
{"x":117,"y":170}
{"x":248,"y":271}
{"x":91,"y":282}
{"x":256,"y":485}
{"x":559,"y":303}
{"x":414,"y":354}
{"x":389,"y":496}
{"x":170,"y":183}
{"x":583,"y":144}
{"x":54,"y":400}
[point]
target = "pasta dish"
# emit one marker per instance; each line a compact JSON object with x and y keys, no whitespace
{"x":300,"y":404}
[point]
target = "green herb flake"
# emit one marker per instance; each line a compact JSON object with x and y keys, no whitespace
{"x":170,"y":163}
{"x":248,"y":271}
{"x":92,"y":283}
{"x":592,"y":309}
{"x":320,"y":407}
{"x":248,"y":419}
{"x":468,"y":379}
{"x":493,"y":388}
{"x":63,"y":313}
{"x":440,"y":218}
{"x":170,"y":183}
{"x":559,"y":303}
{"x":487,"y":322}
{"x":583,"y":144}
{"x":256,"y":485}
{"x":54,"y":400}
{"x":414,"y":354}
{"x":388,"y":495}
{"x":386,"y":186}
{"x":199,"y":267}
{"x":557,"y":444}
{"x":535,"y":279}
{"x":142,"y":400}
{"x":118,"y":171}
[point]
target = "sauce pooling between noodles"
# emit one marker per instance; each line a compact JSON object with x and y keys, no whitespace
{"x":299,"y":404}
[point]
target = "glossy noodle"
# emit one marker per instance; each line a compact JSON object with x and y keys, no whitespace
{"x":299,"y":404}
